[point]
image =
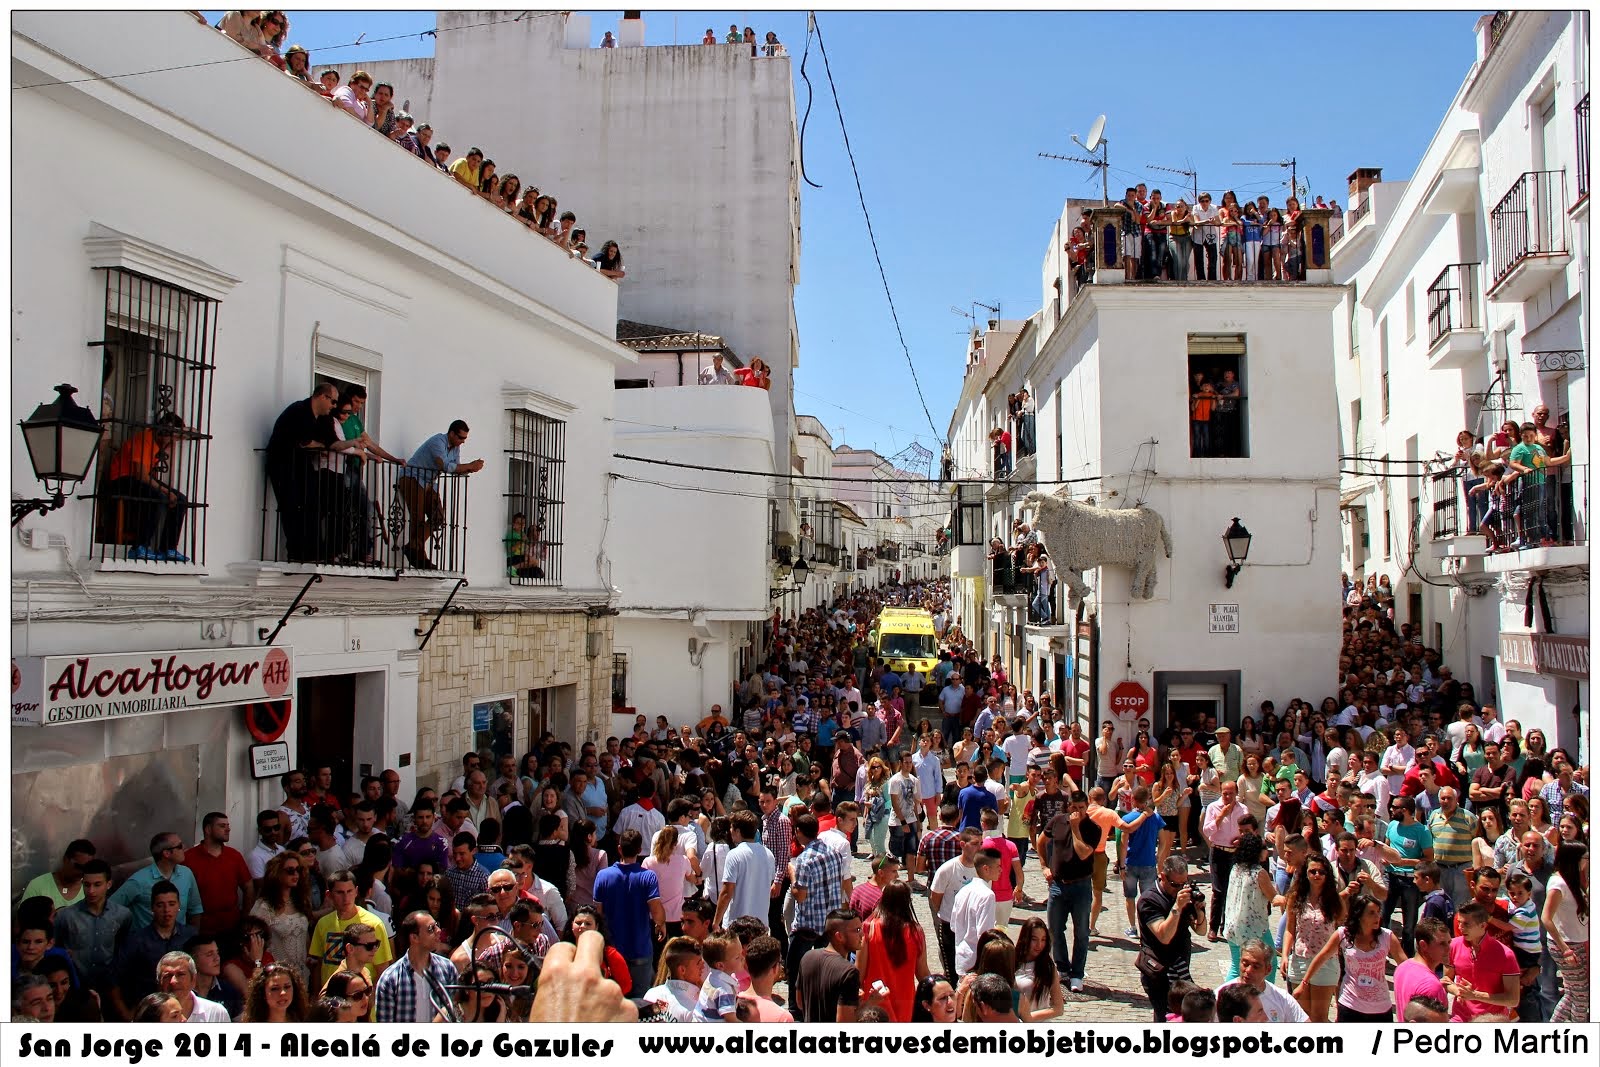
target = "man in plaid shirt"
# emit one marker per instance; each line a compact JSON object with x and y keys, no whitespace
{"x":818,"y":889}
{"x":942,"y":844}
{"x":466,"y":876}
{"x":412,"y":988}
{"x":778,"y":836}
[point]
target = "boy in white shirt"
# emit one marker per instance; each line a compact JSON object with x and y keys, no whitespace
{"x":973,"y":912}
{"x":719,"y":993}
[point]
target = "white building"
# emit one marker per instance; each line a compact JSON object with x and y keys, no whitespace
{"x":687,"y":155}
{"x":237,"y":264}
{"x":1111,"y":368}
{"x":1469,"y":308}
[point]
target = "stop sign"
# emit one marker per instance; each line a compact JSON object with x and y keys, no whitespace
{"x":1129,"y":700}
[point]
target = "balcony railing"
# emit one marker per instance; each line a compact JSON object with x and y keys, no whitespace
{"x":1581,"y":115}
{"x":1528,"y":221}
{"x":1453,"y":300}
{"x":826,"y":554}
{"x":338,"y":511}
{"x":1361,"y":210}
{"x":1497,"y":29}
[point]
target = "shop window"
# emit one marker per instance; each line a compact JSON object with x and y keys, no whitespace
{"x":1218,"y":397}
{"x":157,"y":351}
{"x":536,"y":464}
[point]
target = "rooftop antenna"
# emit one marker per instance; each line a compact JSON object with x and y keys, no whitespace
{"x":1096,"y":139}
{"x":1294,"y":178}
{"x":1190,"y":174}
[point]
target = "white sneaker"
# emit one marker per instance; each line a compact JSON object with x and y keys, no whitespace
{"x":1076,"y":985}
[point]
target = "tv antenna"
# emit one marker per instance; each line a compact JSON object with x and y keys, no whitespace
{"x":1096,"y":139}
{"x":971,"y":314}
{"x":1294,"y":178}
{"x":1194,"y":178}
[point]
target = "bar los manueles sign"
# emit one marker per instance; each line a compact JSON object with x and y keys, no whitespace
{"x":78,"y":689}
{"x":1559,"y":655}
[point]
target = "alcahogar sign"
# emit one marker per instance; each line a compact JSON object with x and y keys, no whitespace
{"x":95,"y":688}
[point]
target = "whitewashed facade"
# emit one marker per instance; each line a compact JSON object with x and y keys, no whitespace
{"x":1470,"y":308}
{"x":319,"y":250}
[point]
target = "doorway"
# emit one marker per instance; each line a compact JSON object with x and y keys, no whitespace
{"x":325,"y":715}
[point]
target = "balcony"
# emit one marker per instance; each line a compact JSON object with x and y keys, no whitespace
{"x":1456,"y":338}
{"x":826,"y":555}
{"x":1528,"y":236}
{"x":365,"y":518}
{"x":1581,"y":121}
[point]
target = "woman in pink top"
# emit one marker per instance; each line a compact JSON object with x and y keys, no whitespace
{"x":1364,"y":995}
{"x":893,"y":951}
{"x":671,"y":868}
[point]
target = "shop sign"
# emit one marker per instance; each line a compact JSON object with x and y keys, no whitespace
{"x":270,"y":760}
{"x":25,"y":690}
{"x":1557,"y":655}
{"x":98,"y":688}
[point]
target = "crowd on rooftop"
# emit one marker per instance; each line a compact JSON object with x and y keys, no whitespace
{"x":1254,"y":242}
{"x":373,"y":105}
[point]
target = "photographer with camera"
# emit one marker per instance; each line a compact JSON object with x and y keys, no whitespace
{"x":1170,"y":913}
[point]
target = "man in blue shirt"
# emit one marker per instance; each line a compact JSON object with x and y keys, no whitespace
{"x":1142,"y":826}
{"x":629,"y":897}
{"x":974,"y":798}
{"x":419,"y":487}
{"x":134,"y":894}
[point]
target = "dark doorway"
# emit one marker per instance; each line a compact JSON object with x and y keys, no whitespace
{"x":1187,"y":713}
{"x":325,"y":713}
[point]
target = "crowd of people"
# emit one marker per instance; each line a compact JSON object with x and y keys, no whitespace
{"x":757,"y":375}
{"x":1024,"y":567}
{"x":770,"y":48}
{"x":708,"y":872}
{"x":1515,"y":483}
{"x":373,"y":105}
{"x":1255,"y":242}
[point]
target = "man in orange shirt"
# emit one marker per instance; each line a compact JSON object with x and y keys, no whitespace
{"x":155,"y":510}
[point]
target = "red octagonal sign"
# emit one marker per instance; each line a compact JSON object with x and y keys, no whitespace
{"x":1129,"y":700}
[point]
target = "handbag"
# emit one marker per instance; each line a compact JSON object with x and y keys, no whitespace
{"x":1148,"y":965}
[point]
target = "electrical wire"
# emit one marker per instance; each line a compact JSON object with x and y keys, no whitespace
{"x":837,"y":478}
{"x":871,"y":235}
{"x":247,"y":56}
{"x":810,"y":25}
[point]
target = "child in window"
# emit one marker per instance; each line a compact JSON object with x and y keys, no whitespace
{"x":524,"y":554}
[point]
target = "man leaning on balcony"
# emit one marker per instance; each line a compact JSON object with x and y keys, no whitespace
{"x":418,"y":487}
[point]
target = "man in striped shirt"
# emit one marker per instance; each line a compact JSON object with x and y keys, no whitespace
{"x":1452,"y":830}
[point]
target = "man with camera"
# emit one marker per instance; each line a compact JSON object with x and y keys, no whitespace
{"x":1170,"y":913}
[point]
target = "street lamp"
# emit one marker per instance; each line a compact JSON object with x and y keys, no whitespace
{"x":801,"y":571}
{"x":1237,"y":542}
{"x":62,"y":438}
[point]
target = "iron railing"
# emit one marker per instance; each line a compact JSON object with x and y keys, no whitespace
{"x":1497,"y":29}
{"x":826,"y":554}
{"x":1362,"y":208}
{"x":536,"y":467}
{"x":1444,"y":491}
{"x":1581,"y":117}
{"x":158,"y":352}
{"x":1453,"y":301}
{"x":1528,"y":221}
{"x":322,"y":508}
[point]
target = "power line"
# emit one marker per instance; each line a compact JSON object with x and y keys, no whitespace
{"x":836,"y":478}
{"x":872,"y":236}
{"x":248,"y":55}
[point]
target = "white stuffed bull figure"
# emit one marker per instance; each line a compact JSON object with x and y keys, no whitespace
{"x":1081,"y":536}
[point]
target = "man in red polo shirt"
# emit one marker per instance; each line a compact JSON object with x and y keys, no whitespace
{"x":1075,"y":747}
{"x":223,"y":877}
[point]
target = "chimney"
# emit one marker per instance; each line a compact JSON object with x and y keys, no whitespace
{"x":1363,"y":178}
{"x":631,"y":33}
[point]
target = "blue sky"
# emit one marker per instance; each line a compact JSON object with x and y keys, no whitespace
{"x":947,"y":113}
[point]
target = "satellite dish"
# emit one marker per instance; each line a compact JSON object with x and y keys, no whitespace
{"x":1095,"y":133}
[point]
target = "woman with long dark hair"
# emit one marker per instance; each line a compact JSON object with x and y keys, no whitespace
{"x":894,"y":951}
{"x":276,"y":995}
{"x":433,"y":895}
{"x":1314,"y":910}
{"x":609,"y":261}
{"x":1566,"y":924}
{"x":1364,"y":944}
{"x":587,"y":861}
{"x":587,"y":917}
{"x":936,"y":1000}
{"x":245,"y":951}
{"x":285,"y":907}
{"x":1038,"y":982}
{"x":355,"y":987}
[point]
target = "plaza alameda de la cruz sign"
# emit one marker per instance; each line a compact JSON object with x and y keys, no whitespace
{"x":61,"y":690}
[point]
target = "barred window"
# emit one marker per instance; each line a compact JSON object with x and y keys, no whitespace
{"x":158,"y":347}
{"x":619,"y":680}
{"x":535,"y":469}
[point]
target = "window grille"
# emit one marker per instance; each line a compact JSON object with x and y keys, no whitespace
{"x":536,"y":463}
{"x":158,"y":351}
